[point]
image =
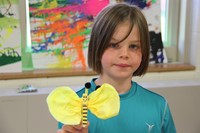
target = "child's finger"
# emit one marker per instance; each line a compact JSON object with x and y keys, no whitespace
{"x":85,"y":129}
{"x":75,"y":128}
{"x":78,"y":127}
{"x":61,"y":131}
{"x":71,"y":129}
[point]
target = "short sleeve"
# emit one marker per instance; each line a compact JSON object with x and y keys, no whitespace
{"x":168,"y":125}
{"x":60,"y":125}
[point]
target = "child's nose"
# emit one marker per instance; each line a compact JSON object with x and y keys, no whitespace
{"x":123,"y":52}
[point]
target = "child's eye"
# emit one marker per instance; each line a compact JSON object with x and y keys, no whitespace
{"x":134,"y":46}
{"x":114,"y":45}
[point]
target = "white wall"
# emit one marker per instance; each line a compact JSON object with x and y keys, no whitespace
{"x":185,"y":107}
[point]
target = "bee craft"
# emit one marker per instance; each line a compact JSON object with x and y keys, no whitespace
{"x":68,"y":108}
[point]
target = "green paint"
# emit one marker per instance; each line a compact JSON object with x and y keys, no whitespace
{"x":85,"y":43}
{"x":153,"y":1}
{"x":36,"y":5}
{"x":85,"y":32}
{"x":6,"y":2}
{"x":4,"y":60}
{"x":63,"y":2}
{"x":35,"y":15}
{"x":9,"y":56}
{"x":58,"y":51}
{"x":8,"y":22}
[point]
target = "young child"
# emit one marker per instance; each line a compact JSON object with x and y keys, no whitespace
{"x":118,"y":50}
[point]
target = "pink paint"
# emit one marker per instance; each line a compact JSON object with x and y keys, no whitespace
{"x":91,"y":7}
{"x":70,"y":35}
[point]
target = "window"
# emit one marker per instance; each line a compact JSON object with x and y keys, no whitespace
{"x":174,"y":26}
{"x":169,"y":25}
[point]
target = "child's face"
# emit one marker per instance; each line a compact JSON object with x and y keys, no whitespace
{"x":123,"y":59}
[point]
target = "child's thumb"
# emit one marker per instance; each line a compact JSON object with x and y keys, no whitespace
{"x":85,"y":129}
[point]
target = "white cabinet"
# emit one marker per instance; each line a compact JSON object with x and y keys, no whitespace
{"x":13,"y":114}
{"x":26,"y":114}
{"x":39,"y":118}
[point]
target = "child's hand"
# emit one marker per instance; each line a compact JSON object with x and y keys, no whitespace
{"x":73,"y":129}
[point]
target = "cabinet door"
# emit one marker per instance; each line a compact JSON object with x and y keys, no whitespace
{"x":39,"y":118}
{"x":13,"y":114}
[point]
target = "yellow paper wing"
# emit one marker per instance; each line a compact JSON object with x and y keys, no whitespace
{"x":104,"y":102}
{"x":65,"y":105}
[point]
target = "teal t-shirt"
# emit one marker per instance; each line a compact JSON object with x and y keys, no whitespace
{"x":141,"y":111}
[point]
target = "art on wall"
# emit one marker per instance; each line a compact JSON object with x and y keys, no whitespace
{"x":60,"y":30}
{"x":10,"y":36}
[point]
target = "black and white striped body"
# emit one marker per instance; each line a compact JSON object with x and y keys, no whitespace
{"x":85,"y":104}
{"x":84,"y":109}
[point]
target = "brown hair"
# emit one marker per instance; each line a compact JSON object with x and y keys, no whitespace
{"x":104,"y":27}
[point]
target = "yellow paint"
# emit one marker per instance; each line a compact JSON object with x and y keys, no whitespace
{"x":63,"y":62}
{"x":49,"y":5}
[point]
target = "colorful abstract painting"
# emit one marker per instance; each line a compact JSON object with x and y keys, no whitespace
{"x":10,"y":36}
{"x":60,"y":31}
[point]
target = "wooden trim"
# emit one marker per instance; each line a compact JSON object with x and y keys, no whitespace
{"x":80,"y":72}
{"x":170,"y":67}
